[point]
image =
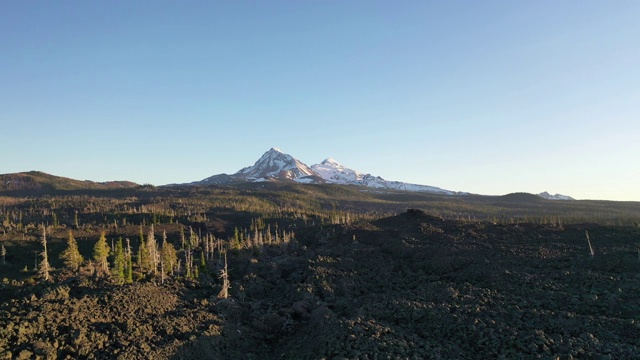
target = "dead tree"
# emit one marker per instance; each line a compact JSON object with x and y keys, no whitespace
{"x":589,"y":241}
{"x":44,"y":264}
{"x":224,"y":275}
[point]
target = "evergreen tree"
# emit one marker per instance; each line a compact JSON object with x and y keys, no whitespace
{"x":71,"y":255}
{"x":7,"y":220}
{"x":203,"y":263}
{"x":182,"y":240}
{"x":194,"y":240}
{"x":101,"y":253}
{"x":119,"y":263}
{"x":269,"y":238}
{"x":143,"y":255}
{"x":187,"y":263}
{"x":235,"y":242}
{"x":128,"y":270}
{"x":153,"y":250}
{"x":169,"y":255}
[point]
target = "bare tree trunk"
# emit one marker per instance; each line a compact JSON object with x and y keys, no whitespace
{"x":589,"y":241}
{"x":224,"y":275}
{"x":161,"y":271}
{"x":44,"y":265}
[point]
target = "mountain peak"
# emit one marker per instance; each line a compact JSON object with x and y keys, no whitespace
{"x":331,"y":162}
{"x":276,"y":165}
{"x":548,"y":196}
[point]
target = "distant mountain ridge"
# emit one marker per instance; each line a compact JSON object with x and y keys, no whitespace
{"x":276,"y":165}
{"x":335,"y":173}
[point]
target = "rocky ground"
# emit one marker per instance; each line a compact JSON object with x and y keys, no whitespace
{"x":408,"y":287}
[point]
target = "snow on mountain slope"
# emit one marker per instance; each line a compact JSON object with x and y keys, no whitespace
{"x":276,"y":165}
{"x":334,"y":172}
{"x":548,"y":196}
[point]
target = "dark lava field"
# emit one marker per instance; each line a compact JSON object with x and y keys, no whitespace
{"x":412,"y":286}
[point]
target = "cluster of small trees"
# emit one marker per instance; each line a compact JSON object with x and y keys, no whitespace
{"x":259,"y":235}
{"x":191,"y":255}
{"x":154,"y":259}
{"x":115,"y":261}
{"x":160,"y":259}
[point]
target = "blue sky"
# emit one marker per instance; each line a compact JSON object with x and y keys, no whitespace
{"x":488,"y":97}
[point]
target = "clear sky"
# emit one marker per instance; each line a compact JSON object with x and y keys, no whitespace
{"x":489,"y":97}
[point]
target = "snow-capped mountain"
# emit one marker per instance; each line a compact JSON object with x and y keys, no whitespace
{"x":335,"y":173}
{"x":276,"y":165}
{"x":273,"y":165}
{"x":548,"y":196}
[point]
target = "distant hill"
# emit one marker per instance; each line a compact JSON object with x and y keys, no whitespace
{"x":37,"y":181}
{"x":520,"y":198}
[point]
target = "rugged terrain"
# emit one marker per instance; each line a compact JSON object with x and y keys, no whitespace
{"x":409,"y":286}
{"x":274,"y":165}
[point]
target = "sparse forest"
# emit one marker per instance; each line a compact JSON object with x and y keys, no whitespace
{"x":344,"y":269}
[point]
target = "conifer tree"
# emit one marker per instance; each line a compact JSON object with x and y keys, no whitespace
{"x":71,"y":255}
{"x":44,"y":265}
{"x":203,"y":263}
{"x":182,"y":240}
{"x":7,"y":220}
{"x":193,"y":238}
{"x":188,"y":263}
{"x":143,"y":255}
{"x":169,"y":255}
{"x":101,"y":253}
{"x":235,"y":242}
{"x":206,"y":245}
{"x":153,"y":250}
{"x":128,"y":270}
{"x":161,"y":271}
{"x":269,"y":239}
{"x":119,"y":263}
